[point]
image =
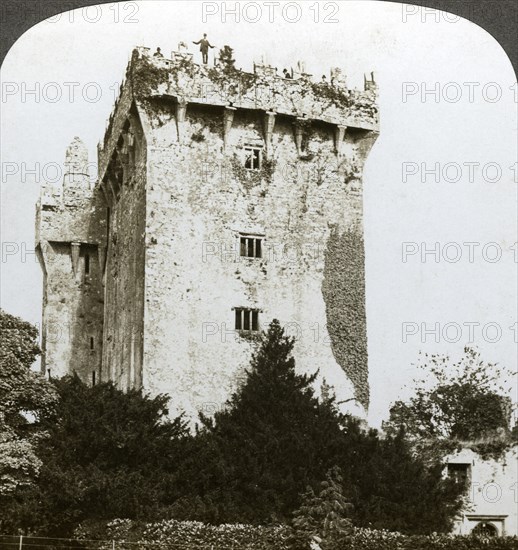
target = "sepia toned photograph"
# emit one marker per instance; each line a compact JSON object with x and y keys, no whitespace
{"x":258,"y":278}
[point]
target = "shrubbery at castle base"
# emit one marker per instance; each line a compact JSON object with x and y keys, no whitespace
{"x":239,"y":536}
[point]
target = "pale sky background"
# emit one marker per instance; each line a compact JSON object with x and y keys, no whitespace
{"x":93,"y":47}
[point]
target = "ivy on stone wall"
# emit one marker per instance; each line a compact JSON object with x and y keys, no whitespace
{"x":251,"y":178}
{"x":147,"y":76}
{"x":343,"y":289}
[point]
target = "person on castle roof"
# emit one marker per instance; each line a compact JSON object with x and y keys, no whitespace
{"x":158,"y":53}
{"x":204,"y":48}
{"x":286,"y":73}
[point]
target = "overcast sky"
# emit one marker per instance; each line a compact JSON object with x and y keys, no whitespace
{"x":467,"y":123}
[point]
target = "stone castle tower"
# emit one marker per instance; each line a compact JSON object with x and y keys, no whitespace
{"x":224,"y":200}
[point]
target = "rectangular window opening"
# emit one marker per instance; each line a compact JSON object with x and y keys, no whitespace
{"x":460,"y":473}
{"x":247,"y":319}
{"x":253,"y":158}
{"x":92,"y":342}
{"x":93,"y":378}
{"x":251,"y":247}
{"x":87,"y":264}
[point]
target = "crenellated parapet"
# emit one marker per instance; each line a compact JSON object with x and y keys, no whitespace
{"x":65,"y":211}
{"x":184,"y":82}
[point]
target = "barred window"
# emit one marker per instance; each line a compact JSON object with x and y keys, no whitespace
{"x":247,"y":319}
{"x":251,"y":247}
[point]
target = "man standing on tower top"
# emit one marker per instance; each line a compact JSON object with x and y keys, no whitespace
{"x":204,"y":48}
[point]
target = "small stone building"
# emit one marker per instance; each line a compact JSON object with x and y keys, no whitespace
{"x":491,"y":492}
{"x":224,"y":199}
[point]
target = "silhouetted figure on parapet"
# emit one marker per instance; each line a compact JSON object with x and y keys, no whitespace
{"x":204,"y":48}
{"x":158,"y":53}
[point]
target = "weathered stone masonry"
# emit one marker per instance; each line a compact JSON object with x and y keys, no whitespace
{"x":224,"y":200}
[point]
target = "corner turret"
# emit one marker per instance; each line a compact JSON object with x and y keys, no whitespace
{"x":70,"y":236}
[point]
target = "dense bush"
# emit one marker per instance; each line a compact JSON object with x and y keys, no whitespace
{"x":186,"y":534}
{"x":366,"y":539}
{"x":107,"y":454}
{"x":195,"y":534}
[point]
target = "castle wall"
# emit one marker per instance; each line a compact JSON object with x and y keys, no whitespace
{"x":199,"y":200}
{"x":124,"y":282}
{"x":72,"y":313}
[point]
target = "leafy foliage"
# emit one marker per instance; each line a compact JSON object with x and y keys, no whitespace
{"x":464,"y":401}
{"x":226,"y":57}
{"x":322,"y":516}
{"x":108,"y":454}
{"x":253,"y":461}
{"x":24,"y":397}
{"x":111,"y":454}
{"x":344,"y":294}
{"x":396,"y":490}
{"x":131,"y":534}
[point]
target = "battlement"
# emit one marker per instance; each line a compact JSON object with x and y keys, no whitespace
{"x":264,"y":89}
{"x":185,"y":82}
{"x":64,"y":210}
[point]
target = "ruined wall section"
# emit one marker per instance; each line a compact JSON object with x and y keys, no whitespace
{"x":200,"y":200}
{"x":70,"y":227}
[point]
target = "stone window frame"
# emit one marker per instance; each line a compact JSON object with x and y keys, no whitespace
{"x":253,"y":147}
{"x":247,"y":316}
{"x":256,"y":246}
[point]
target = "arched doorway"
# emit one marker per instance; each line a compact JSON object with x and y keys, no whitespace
{"x":485,"y":529}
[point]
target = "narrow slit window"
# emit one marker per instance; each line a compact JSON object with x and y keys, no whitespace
{"x":253,"y":158}
{"x":251,"y":247}
{"x":93,"y":378}
{"x":247,"y":319}
{"x":92,"y":342}
{"x":87,"y":264}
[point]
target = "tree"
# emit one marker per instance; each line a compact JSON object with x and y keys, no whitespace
{"x":253,"y":462}
{"x":324,"y":516}
{"x":226,"y":58}
{"x":109,"y":454}
{"x":461,"y":401}
{"x":395,"y":489}
{"x":273,"y":440}
{"x":25,"y":397}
